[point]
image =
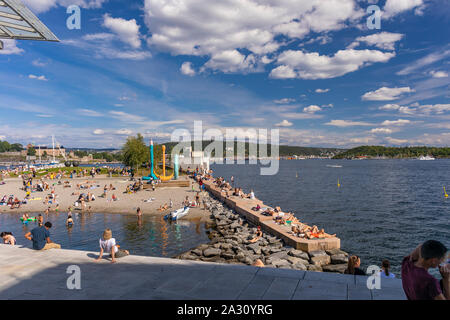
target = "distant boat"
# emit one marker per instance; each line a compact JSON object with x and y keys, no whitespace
{"x":334,"y":166}
{"x":338,"y":184}
{"x":445,"y":193}
{"x":426,"y":158}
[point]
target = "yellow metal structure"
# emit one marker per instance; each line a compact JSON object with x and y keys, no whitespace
{"x":163,"y":177}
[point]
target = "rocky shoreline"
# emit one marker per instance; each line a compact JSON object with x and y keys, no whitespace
{"x":230,"y":234}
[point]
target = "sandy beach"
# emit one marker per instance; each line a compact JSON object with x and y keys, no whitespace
{"x":126,"y":203}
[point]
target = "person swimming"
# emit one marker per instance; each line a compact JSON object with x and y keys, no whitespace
{"x":69,"y":221}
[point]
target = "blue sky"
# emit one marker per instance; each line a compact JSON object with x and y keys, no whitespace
{"x":311,"y":69}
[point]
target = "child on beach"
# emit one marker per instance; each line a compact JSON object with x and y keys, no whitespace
{"x":108,"y":244}
{"x":8,"y":238}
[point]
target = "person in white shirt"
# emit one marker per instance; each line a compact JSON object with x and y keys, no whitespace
{"x":108,"y":244}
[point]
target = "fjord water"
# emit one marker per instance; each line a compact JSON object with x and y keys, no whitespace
{"x":152,"y":236}
{"x":382,"y":210}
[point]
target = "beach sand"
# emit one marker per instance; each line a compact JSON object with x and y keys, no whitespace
{"x":126,"y":203}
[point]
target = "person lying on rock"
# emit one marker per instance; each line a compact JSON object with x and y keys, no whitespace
{"x":258,"y":235}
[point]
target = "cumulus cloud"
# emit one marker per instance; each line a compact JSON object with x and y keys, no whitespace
{"x":312,"y":109}
{"x":385,"y":93}
{"x":399,"y":122}
{"x":381,"y":130}
{"x":395,"y":7}
{"x":383,"y":40}
{"x":416,"y":109}
{"x":186,"y":69}
{"x":347,"y":123}
{"x":284,"y":123}
{"x":303,"y":65}
{"x":284,"y":101}
{"x":438,"y":74}
{"x":10,"y":47}
{"x":126,"y":30}
{"x":238,"y":35}
{"x":98,"y":132}
{"x":41,"y":78}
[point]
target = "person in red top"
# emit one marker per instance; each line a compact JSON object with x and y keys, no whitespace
{"x":417,"y":283}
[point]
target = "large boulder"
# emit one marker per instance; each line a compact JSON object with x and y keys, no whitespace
{"x":295,"y":261}
{"x":298,"y":254}
{"x":339,"y":259}
{"x":280,"y":263}
{"x":317,"y":253}
{"x":300,"y":266}
{"x":211,"y":252}
{"x":280,"y":255}
{"x":255,"y":247}
{"x":332,"y":252}
{"x":321,"y":260}
{"x":313,"y":267}
{"x":336,"y":268}
{"x":197,"y":251}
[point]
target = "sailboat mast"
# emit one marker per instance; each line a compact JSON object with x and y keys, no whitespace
{"x":53,"y":147}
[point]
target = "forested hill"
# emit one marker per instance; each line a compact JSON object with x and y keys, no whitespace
{"x":393,"y":152}
{"x":284,"y":151}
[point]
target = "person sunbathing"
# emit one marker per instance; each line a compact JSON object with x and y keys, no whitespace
{"x":257,"y":208}
{"x":164,"y":207}
{"x":258,"y":235}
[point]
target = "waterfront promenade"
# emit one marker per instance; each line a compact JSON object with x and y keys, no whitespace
{"x":35,"y":275}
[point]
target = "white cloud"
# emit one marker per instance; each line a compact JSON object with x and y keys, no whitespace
{"x":299,"y":64}
{"x":381,"y":130}
{"x":385,"y":93}
{"x":399,"y":122}
{"x":284,"y":101}
{"x":89,"y":113}
{"x":383,"y":40}
{"x":41,"y":78}
{"x":39,"y":63}
{"x":439,"y":74}
{"x":390,"y":106}
{"x":219,"y":30}
{"x":126,"y":30}
{"x":124,"y":132}
{"x":416,"y":109}
{"x":39,"y":6}
{"x":312,"y":109}
{"x":322,"y":90}
{"x":394,"y":7}
{"x":10,"y":47}
{"x":347,"y":123}
{"x":425,"y":61}
{"x":396,"y":141}
{"x":284,"y":123}
{"x":186,"y":69}
{"x":126,"y":117}
{"x":98,"y":132}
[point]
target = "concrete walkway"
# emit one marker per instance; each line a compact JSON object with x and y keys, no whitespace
{"x":29,"y":274}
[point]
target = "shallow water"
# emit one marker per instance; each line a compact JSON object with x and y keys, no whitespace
{"x":383,"y":209}
{"x":151,"y":236}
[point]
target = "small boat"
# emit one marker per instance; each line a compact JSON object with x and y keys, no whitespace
{"x":426,"y":158}
{"x":334,"y":166}
{"x":177,"y":214}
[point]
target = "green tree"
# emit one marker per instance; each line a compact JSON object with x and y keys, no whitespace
{"x":135,"y":152}
{"x":31,"y":151}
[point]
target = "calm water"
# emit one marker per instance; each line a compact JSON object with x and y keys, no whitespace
{"x":151,"y":237}
{"x":383,"y":209}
